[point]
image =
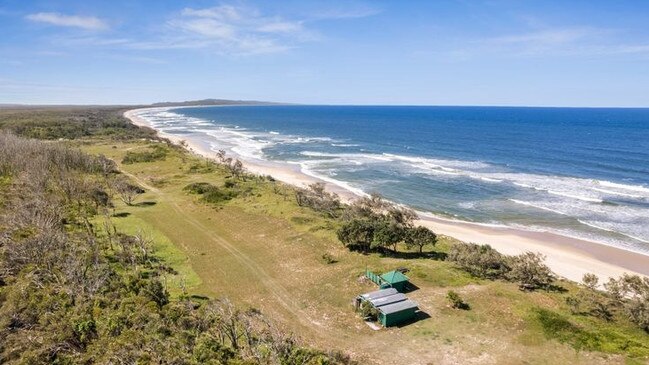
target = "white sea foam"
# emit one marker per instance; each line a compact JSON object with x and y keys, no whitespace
{"x":574,"y":197}
{"x":529,"y":204}
{"x":638,"y":188}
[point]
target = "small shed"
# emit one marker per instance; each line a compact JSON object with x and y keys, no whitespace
{"x":371,"y":296}
{"x":395,"y":298}
{"x":395,"y":279}
{"x":395,"y":313}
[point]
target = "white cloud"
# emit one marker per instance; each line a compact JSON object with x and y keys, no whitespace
{"x":570,"y":41}
{"x":233,"y":29}
{"x":84,"y":22}
{"x":346,"y":13}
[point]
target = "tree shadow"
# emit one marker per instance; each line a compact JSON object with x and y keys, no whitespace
{"x":199,"y":297}
{"x":437,"y":256}
{"x":556,"y":288}
{"x":146,"y":204}
{"x":121,"y":214}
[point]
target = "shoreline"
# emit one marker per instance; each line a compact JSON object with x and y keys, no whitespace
{"x":568,"y":257}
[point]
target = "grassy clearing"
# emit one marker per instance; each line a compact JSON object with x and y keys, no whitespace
{"x":262,"y":250}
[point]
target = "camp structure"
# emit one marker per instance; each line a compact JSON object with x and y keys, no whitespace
{"x":391,"y":306}
{"x":393,"y":279}
{"x":396,"y":313}
{"x":371,"y":296}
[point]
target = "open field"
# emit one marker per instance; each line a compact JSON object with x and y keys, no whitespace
{"x":261,"y":250}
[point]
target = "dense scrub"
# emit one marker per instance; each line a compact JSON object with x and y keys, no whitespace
{"x":76,"y":292}
{"x":71,"y":123}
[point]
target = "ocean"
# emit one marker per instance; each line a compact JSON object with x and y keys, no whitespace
{"x":579,"y":172}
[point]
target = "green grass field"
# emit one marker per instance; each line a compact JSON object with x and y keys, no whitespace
{"x":261,"y":250}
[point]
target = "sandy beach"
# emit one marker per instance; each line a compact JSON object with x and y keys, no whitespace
{"x":568,"y":257}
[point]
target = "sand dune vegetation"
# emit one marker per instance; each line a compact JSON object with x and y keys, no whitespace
{"x":106,"y":258}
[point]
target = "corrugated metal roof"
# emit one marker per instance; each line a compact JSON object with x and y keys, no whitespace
{"x":397,"y":307}
{"x":379,"y":293}
{"x":388,"y":300}
{"x":394,"y":277}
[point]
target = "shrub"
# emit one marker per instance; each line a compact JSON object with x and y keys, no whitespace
{"x":199,"y":188}
{"x":210,"y":193}
{"x":368,"y":312}
{"x":631,"y":293}
{"x":456,"y":301}
{"x":530,"y":271}
{"x":318,"y":199}
{"x":327,"y":258}
{"x":156,"y":153}
{"x":479,"y":260}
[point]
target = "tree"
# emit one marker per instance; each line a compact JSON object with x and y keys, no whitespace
{"x":631,"y":292}
{"x":317,"y":198}
{"x":479,"y":260}
{"x":128,"y":192}
{"x":386,"y":234}
{"x":590,"y":281}
{"x":420,"y":237}
{"x":358,"y":233}
{"x":530,"y":271}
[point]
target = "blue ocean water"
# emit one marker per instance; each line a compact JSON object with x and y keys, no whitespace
{"x":580,"y":172}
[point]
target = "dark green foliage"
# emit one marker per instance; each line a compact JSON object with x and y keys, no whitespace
{"x":387,"y":234}
{"x":374,"y":223}
{"x":479,"y":260}
{"x":71,"y":123}
{"x":211,"y":193}
{"x":199,"y":188}
{"x":357,"y":234}
{"x":456,"y":300}
{"x":155,"y":153}
{"x":420,"y":237}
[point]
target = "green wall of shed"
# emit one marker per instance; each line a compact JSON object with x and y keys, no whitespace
{"x":393,"y":319}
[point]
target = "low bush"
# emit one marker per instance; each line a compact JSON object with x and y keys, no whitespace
{"x":211,"y":193}
{"x":456,"y":300}
{"x":156,"y":153}
{"x":479,"y":260}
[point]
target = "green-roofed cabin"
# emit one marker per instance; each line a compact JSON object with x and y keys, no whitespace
{"x":394,"y":279}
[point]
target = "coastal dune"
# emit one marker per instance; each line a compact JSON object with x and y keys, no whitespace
{"x":568,"y":257}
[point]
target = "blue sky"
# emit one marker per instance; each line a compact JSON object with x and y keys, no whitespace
{"x":549,"y":53}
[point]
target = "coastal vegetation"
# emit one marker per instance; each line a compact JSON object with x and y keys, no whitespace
{"x":173,"y":275}
{"x":82,"y":292}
